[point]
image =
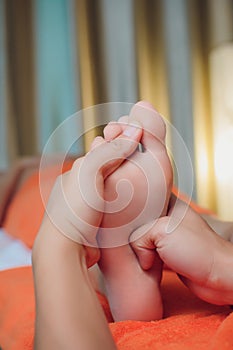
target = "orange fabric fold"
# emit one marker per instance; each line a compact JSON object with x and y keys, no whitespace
{"x":188,"y":323}
{"x":26,"y":210}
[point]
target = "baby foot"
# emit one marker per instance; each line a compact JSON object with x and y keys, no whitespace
{"x":134,"y":293}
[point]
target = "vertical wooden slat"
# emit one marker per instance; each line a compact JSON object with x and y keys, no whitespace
{"x":92,"y":73}
{"x":203,"y":137}
{"x":57,"y":90}
{"x":119,"y":49}
{"x":180,"y":95}
{"x":4,"y":140}
{"x":150,"y":54}
{"x":220,"y":22}
{"x":20,"y":74}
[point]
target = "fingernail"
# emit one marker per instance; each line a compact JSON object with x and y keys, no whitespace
{"x":131,"y":130}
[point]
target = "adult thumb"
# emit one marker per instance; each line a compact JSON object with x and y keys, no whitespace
{"x":148,"y":239}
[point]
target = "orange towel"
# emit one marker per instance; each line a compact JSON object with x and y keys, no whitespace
{"x":189,"y":323}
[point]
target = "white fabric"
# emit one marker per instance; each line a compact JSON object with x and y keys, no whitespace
{"x":13,"y":252}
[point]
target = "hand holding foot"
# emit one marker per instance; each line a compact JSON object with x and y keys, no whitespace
{"x":60,"y":261}
{"x":76,"y":203}
{"x":186,"y":243}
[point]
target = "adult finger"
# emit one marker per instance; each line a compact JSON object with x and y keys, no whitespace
{"x":115,"y":128}
{"x":102,"y":160}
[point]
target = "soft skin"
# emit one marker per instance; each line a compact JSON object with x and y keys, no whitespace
{"x":132,"y":292}
{"x":189,"y":246}
{"x":65,"y":298}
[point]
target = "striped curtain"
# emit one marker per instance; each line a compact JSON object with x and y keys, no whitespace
{"x":60,"y":56}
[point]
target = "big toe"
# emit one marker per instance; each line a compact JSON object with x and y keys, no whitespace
{"x":152,"y":123}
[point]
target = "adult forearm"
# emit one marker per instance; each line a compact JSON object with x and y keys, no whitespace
{"x":68,"y":314}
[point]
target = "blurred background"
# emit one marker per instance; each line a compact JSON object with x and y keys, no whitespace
{"x":60,"y":56}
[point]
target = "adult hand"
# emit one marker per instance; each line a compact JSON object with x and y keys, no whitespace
{"x":76,"y":203}
{"x":187,"y":245}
